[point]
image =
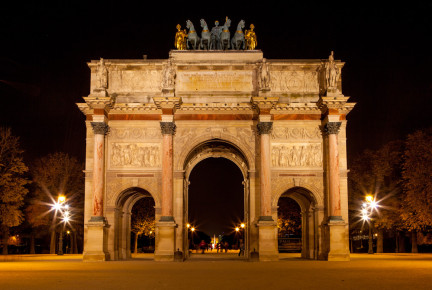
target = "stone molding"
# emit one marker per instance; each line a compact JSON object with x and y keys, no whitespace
{"x":332,"y":128}
{"x":100,"y":127}
{"x":264,"y":127}
{"x":168,"y":128}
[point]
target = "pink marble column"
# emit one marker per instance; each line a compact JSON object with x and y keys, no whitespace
{"x":332,"y":129}
{"x":168,"y":129}
{"x":100,"y":129}
{"x":264,"y":129}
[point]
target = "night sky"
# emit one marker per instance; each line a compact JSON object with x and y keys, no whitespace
{"x":45,"y":46}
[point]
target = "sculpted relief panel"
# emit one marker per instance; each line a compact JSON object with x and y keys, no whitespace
{"x":135,"y":155}
{"x":296,"y":155}
{"x":294,"y":81}
{"x":206,"y":81}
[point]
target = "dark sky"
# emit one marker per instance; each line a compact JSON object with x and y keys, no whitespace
{"x":45,"y":46}
{"x":216,"y":196}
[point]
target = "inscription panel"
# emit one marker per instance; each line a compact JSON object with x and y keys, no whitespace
{"x":206,"y":81}
{"x":135,"y":80}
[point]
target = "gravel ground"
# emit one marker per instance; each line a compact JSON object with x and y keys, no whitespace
{"x":378,"y":271}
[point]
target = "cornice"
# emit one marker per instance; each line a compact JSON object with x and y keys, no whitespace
{"x":297,"y":108}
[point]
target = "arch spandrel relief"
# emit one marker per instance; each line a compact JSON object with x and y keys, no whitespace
{"x":281,"y":184}
{"x":189,"y":138}
{"x":116,"y":186}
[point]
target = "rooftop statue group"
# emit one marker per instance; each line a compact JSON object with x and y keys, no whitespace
{"x":219,"y":38}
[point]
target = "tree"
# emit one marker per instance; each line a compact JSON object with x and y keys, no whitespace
{"x":55,"y":174}
{"x":143,"y":219}
{"x":378,"y":173}
{"x":12,"y":183}
{"x":417,"y":168}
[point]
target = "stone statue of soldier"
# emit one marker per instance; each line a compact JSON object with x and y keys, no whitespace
{"x":215,"y":36}
{"x":102,"y":75}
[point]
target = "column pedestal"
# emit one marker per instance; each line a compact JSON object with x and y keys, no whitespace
{"x":268,"y":247}
{"x":96,"y":246}
{"x":165,"y":241}
{"x":339,"y":250}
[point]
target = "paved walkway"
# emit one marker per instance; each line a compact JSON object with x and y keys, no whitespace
{"x":378,"y":271}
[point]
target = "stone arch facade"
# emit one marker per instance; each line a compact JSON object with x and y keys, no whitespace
{"x":144,"y":130}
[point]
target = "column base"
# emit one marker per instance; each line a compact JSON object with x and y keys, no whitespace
{"x":268,"y":246}
{"x":97,"y":240}
{"x":339,"y":250}
{"x":165,"y":242}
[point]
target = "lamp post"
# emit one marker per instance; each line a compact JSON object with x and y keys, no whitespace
{"x":367,"y":211}
{"x":63,"y":208}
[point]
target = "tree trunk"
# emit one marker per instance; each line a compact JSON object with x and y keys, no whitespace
{"x":53,"y":242}
{"x":136,"y":243}
{"x":414,"y":248}
{"x":397,"y":242}
{"x":5,"y":231}
{"x":380,"y":241}
{"x":402,"y":243}
{"x":32,"y":242}
{"x":75,"y":243}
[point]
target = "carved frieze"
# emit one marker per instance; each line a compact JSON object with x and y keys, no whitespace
{"x":296,"y":133}
{"x":135,"y":155}
{"x":296,"y":155}
{"x":135,"y":133}
{"x":294,"y":81}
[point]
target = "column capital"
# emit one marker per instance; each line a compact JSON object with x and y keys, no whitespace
{"x":264,"y":127}
{"x":332,"y":128}
{"x":168,"y":105}
{"x":168,"y":128}
{"x":100,"y":127}
{"x":264,"y":104}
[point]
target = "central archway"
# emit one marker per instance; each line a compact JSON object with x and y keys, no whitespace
{"x":226,"y":154}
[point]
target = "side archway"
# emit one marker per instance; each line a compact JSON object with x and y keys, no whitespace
{"x":122,"y":220}
{"x":309,"y":227}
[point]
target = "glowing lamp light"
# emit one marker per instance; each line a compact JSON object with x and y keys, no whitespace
{"x":61,"y":198}
{"x":369,"y":198}
{"x":66,"y":219}
{"x":56,"y":206}
{"x":242,"y":226}
{"x":68,"y":232}
{"x":237,"y":229}
{"x":188,"y":225}
{"x":193,"y":229}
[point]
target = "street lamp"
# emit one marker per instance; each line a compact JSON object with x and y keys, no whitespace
{"x":63,"y":208}
{"x":367,"y":210}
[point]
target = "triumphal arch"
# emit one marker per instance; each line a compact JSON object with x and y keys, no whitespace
{"x":281,"y":121}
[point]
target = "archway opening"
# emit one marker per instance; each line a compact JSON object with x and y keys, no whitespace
{"x":143,"y":226}
{"x":134,"y":218}
{"x":297,"y":228}
{"x":216,"y":207}
{"x":289,"y":225}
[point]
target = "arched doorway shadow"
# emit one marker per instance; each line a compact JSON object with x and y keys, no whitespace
{"x":215,"y":149}
{"x":122,"y":220}
{"x":309,"y":228}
